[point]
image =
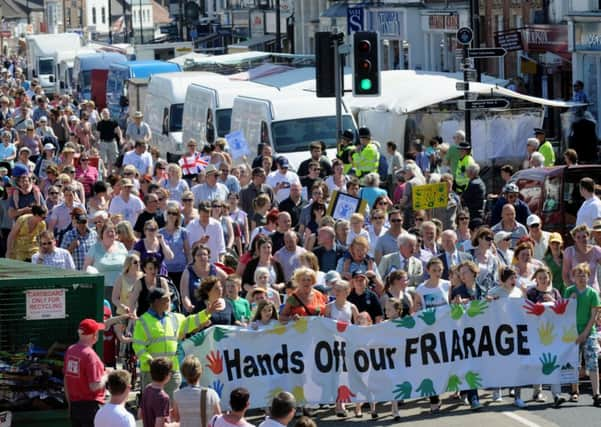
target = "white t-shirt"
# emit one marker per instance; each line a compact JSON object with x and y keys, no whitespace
{"x":130,"y":209}
{"x":274,"y":178}
{"x":142,"y":162}
{"x":219,"y":421}
{"x":434,"y":297}
{"x":111,"y":415}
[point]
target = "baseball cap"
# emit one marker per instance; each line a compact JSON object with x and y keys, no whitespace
{"x":282,"y":162}
{"x":49,"y":146}
{"x":359,"y":273}
{"x":256,"y":290}
{"x":157,"y":294}
{"x":533,"y":219}
{"x":331,"y":276}
{"x":502,"y":235}
{"x":556,"y":237}
{"x":511,"y":188}
{"x":90,"y":326}
{"x":597,"y":225}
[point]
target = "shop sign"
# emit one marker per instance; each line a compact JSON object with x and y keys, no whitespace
{"x":354,"y":19}
{"x":545,"y":38}
{"x":510,"y":40}
{"x":42,"y":304}
{"x":443,"y":22}
{"x":386,"y":22}
{"x":587,"y":36}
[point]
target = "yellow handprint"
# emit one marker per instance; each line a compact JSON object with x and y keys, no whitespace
{"x":569,"y":334}
{"x":299,"y":394}
{"x":272,"y":393}
{"x":545,"y":333}
{"x":278,"y":329}
{"x":301,"y":325}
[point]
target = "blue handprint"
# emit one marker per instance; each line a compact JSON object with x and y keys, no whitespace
{"x":549,"y":363}
{"x":218,"y":387}
{"x":428,"y":316}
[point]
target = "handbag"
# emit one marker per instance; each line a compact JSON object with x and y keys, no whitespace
{"x":203,"y":407}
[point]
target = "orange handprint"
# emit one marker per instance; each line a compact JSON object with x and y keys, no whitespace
{"x":215,"y":362}
{"x":344,"y":394}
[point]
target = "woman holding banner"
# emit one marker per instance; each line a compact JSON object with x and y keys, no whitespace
{"x":305,"y":301}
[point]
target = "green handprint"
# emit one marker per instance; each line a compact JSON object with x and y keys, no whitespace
{"x":428,"y":316}
{"x":476,"y":307}
{"x":569,"y":334}
{"x":402,"y":391}
{"x":473,"y":379}
{"x":457,"y":311}
{"x":426,"y":388}
{"x":198,"y":338}
{"x":545,"y":333}
{"x":549,"y":363}
{"x":405,"y":322}
{"x":453,"y":383}
{"x":220,"y":333}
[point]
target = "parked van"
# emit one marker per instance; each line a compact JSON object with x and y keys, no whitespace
{"x":82,"y":70}
{"x":553,"y":194}
{"x":164,"y":106}
{"x":121,"y":72}
{"x":208,"y":107}
{"x":288,"y":120}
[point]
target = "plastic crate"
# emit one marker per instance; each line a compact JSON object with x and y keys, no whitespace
{"x":83,"y":298}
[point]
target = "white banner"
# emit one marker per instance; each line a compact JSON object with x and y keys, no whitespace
{"x":509,"y":342}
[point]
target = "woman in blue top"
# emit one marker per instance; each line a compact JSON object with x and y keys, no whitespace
{"x":372,"y":189}
{"x":176,"y":238}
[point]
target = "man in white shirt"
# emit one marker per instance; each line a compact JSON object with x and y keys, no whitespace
{"x":282,"y":410}
{"x":207,"y":231}
{"x":210,"y":189}
{"x":126,"y":203}
{"x":591,"y":208}
{"x":540,"y":237}
{"x":281,"y":179}
{"x":114,"y":414}
{"x":140,"y":158}
{"x":50,"y":255}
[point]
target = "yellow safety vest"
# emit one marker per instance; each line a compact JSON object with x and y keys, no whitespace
{"x":366,"y":160}
{"x":461,"y":179}
{"x":155,"y":338}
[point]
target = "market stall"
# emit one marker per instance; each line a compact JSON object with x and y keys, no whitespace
{"x":40,"y":310}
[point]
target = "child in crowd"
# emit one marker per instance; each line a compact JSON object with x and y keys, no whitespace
{"x":239,"y":403}
{"x":587,"y":309}
{"x":506,"y":289}
{"x":364,"y":319}
{"x":114,"y":414}
{"x":357,"y":222}
{"x":233,"y":285}
{"x":262,"y":278}
{"x":266,"y":314}
{"x":154,"y":405}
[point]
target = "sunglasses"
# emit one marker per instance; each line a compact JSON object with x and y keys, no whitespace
{"x":463,"y":218}
{"x":83,"y":160}
{"x":129,"y":174}
{"x":419,"y":219}
{"x":152,"y":229}
{"x":46,"y":243}
{"x":378,"y":217}
{"x":535,"y":226}
{"x":173,"y":213}
{"x":134,"y":262}
{"x":395,"y":221}
{"x":217,"y":206}
{"x":488,"y":238}
{"x":187,"y":200}
{"x":52,"y":193}
{"x":161,"y":199}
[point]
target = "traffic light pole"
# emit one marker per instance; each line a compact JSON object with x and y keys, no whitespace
{"x":468,"y":113}
{"x":337,"y":86}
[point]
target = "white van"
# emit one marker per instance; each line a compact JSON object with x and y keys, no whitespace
{"x":164,"y":106}
{"x":208,"y":107}
{"x":289,"y":120}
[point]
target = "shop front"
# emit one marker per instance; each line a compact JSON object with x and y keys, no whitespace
{"x":440,"y":29}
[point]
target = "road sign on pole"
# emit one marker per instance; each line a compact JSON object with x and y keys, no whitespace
{"x":483,"y":104}
{"x":462,"y":86}
{"x":484,"y":52}
{"x":465,"y":35}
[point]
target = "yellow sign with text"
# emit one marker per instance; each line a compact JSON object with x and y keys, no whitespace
{"x":430,"y":196}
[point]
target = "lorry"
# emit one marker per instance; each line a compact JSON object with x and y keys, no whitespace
{"x":553,"y":194}
{"x":208,"y":107}
{"x":44,"y":53}
{"x":164,"y":106}
{"x":82,"y":71}
{"x":120,"y":73}
{"x":288,"y":120}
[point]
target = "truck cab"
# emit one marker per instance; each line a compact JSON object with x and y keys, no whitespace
{"x":553,"y":194}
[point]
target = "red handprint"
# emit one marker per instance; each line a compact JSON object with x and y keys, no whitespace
{"x":560,"y":306}
{"x":341,"y":326}
{"x":215,"y":362}
{"x":534,"y":308}
{"x":344,"y":394}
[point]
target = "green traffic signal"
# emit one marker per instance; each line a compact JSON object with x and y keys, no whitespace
{"x":365,"y":84}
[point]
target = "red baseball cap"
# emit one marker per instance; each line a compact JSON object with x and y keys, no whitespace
{"x":90,"y":326}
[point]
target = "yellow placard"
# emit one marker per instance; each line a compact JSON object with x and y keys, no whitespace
{"x":430,"y":196}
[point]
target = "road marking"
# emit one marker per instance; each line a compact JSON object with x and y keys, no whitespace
{"x":520,"y":419}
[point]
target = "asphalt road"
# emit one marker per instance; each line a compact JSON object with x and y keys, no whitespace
{"x":454,"y":413}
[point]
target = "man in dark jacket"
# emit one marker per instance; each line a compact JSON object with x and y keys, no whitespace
{"x":511,"y":194}
{"x":328,"y":252}
{"x":474,"y":196}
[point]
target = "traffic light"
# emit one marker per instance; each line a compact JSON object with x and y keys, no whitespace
{"x":324,"y":65}
{"x":366,"y":64}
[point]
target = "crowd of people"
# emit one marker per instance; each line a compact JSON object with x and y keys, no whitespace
{"x":203,"y":240}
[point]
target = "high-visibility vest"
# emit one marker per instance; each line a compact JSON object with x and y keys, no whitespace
{"x":155,"y":338}
{"x":366,"y":160}
{"x":461,"y":178}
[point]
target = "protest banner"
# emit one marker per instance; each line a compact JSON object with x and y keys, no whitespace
{"x":509,"y":342}
{"x":430,"y":196}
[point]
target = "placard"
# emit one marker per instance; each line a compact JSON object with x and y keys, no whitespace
{"x":430,"y":196}
{"x":238,"y":145}
{"x":343,"y":205}
{"x":44,"y":304}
